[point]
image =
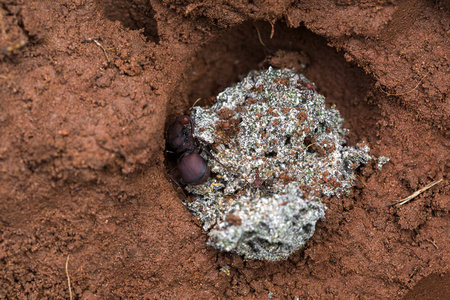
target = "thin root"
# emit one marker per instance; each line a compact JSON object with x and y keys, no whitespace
{"x":433,"y":243}
{"x":195,"y":103}
{"x":95,"y":41}
{"x":407,"y":92}
{"x":272,"y":32}
{"x":416,"y":193}
{"x":68,"y":277}
{"x":259,"y":36}
{"x":362,"y":180}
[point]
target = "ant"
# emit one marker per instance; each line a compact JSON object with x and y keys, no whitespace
{"x":190,"y":164}
{"x":192,"y":167}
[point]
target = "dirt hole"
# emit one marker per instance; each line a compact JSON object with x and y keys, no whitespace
{"x":135,"y":15}
{"x":239,"y":50}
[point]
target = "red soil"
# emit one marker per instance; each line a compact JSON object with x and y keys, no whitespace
{"x":88,"y":87}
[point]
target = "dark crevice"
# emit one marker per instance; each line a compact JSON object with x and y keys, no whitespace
{"x":287,"y":141}
{"x":271,"y":154}
{"x":135,"y":15}
{"x":308,"y":141}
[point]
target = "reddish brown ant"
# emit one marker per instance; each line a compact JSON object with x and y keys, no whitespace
{"x":193,"y":169}
{"x":190,"y":164}
{"x":261,"y":185}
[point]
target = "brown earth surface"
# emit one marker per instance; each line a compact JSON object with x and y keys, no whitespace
{"x":88,"y":87}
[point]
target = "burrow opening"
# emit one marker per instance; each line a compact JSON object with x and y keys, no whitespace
{"x":246,"y":47}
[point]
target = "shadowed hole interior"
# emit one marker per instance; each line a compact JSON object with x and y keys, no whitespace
{"x":133,"y":14}
{"x":237,"y":51}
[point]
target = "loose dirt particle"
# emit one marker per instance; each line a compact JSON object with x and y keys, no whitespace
{"x":283,"y":81}
{"x":234,"y":220}
{"x":301,"y":116}
{"x":250,"y":100}
{"x":225,"y":113}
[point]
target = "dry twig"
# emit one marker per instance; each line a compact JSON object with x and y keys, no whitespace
{"x":416,"y":193}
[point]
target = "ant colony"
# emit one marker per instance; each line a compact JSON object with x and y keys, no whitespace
{"x":278,"y":151}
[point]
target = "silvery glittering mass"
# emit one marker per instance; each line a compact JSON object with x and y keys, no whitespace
{"x":283,"y":150}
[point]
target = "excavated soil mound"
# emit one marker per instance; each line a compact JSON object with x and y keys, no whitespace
{"x":88,"y":87}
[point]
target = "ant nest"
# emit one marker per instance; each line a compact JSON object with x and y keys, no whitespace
{"x":283,"y":150}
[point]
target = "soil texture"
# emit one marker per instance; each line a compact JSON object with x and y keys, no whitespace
{"x":88,"y":88}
